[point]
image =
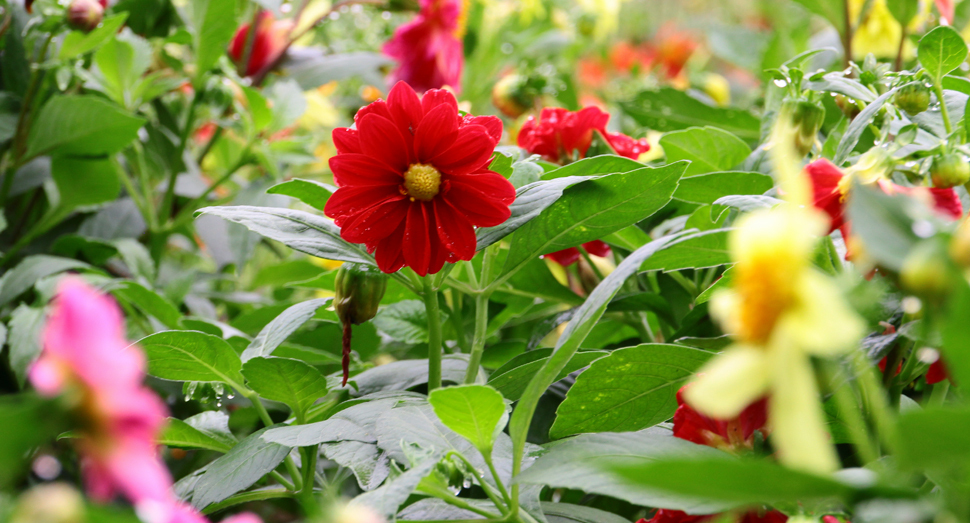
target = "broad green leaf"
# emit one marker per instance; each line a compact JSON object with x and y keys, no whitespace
{"x":121,"y":62}
{"x":305,"y":232}
{"x":731,"y":480}
{"x":643,"y":302}
{"x":292,"y":382}
{"x":405,"y":321}
{"x":941,"y":51}
{"x":23,"y":334}
{"x":569,"y":513}
{"x":708,"y":149}
{"x":904,"y":10}
{"x":85,"y":181}
{"x":258,"y":108}
{"x":386,"y":499}
{"x":535,"y":279}
{"x":603,"y":164}
{"x":881,"y":222}
{"x":708,"y":188}
{"x":934,"y":438}
{"x":669,"y":109}
{"x":530,"y":201}
{"x":311,"y":192}
{"x":512,"y":378}
{"x":202,"y":431}
{"x":631,"y":389}
{"x":630,"y":238}
{"x":82,"y":125}
{"x":831,"y":10}
{"x":32,"y":268}
{"x":402,"y":375}
{"x":836,"y":82}
{"x":136,"y":257}
{"x":150,"y":303}
{"x":276,"y":332}
{"x":594,"y":209}
{"x":243,"y":465}
{"x":581,"y":463}
{"x":475,"y":412}
{"x":336,"y":429}
{"x":858,"y":125}
{"x":696,"y":251}
{"x":191,"y":356}
{"x":212,"y":24}
{"x":78,"y":42}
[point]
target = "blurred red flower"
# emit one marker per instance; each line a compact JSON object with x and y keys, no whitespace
{"x":429,"y":49}
{"x":567,"y":257}
{"x":414,"y":180}
{"x":672,"y":48}
{"x":561,"y":136}
{"x":752,"y":516}
{"x":270,"y":41}
{"x":730,"y":434}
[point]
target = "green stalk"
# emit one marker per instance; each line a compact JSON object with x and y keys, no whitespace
{"x":944,"y":112}
{"x":848,"y":406}
{"x":938,"y":395}
{"x":268,"y":421}
{"x":489,"y":491}
{"x":430,"y":296}
{"x":874,"y":399}
{"x":478,"y":339}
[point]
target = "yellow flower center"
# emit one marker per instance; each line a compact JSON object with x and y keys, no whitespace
{"x":766,"y":292}
{"x":421,"y":182}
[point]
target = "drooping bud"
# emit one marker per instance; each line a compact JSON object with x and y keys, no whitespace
{"x":950,"y":170}
{"x":512,"y":96}
{"x":913,"y":98}
{"x":359,"y":289}
{"x":85,"y":15}
{"x":50,"y":503}
{"x":807,"y":117}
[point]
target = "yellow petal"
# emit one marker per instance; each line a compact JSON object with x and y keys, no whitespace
{"x":797,"y":423}
{"x":821,"y":323}
{"x":730,"y":382}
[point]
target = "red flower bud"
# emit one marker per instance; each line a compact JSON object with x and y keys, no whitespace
{"x":85,"y":15}
{"x":269,"y":42}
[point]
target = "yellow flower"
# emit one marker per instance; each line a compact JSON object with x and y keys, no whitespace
{"x":607,"y":13}
{"x":718,"y":88}
{"x":878,"y":33}
{"x":780,"y":311}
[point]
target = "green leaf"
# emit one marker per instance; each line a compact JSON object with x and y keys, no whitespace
{"x":402,"y":375}
{"x":292,"y":382}
{"x":311,"y":192}
{"x":881,"y":222}
{"x":593,"y":209}
{"x":78,"y":42}
{"x":904,"y":10}
{"x":84,"y":181}
{"x":386,"y":499}
{"x":32,"y":268}
{"x":150,"y":302}
{"x":630,"y":238}
{"x":191,"y":356}
{"x":708,"y":149}
{"x":25,"y":330}
{"x":831,"y":10}
{"x":317,"y":69}
{"x":405,"y":321}
{"x":512,"y":378}
{"x":858,"y":125}
{"x":955,"y":331}
{"x":582,"y":463}
{"x":836,"y":82}
{"x":212,"y":24}
{"x":669,"y":109}
{"x":82,"y":125}
{"x":28,"y":422}
{"x":243,"y":465}
{"x":569,"y":513}
{"x":696,"y":251}
{"x":335,"y":429}
{"x":207,"y":430}
{"x":631,"y":389}
{"x":276,"y":332}
{"x":934,"y":438}
{"x":258,"y":108}
{"x":302,"y":231}
{"x":603,"y":164}
{"x":475,"y":412}
{"x":941,"y":51}
{"x":708,"y":188}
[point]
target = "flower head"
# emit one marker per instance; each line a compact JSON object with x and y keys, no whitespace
{"x":752,"y":516}
{"x":269,"y":42}
{"x":780,"y":311}
{"x":429,"y":49}
{"x":414,"y":180}
{"x":567,"y":257}
{"x":725,"y":434}
{"x":561,"y":136}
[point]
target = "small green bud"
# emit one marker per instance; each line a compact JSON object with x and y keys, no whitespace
{"x":358,"y":292}
{"x":807,"y":117}
{"x":950,"y":170}
{"x":913,"y":98}
{"x":927,"y":271}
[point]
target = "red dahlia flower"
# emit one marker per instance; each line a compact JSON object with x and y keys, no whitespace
{"x":567,"y":257}
{"x":414,"y":180}
{"x":561,"y":136}
{"x":730,"y":434}
{"x":429,"y":49}
{"x":752,"y":516}
{"x":269,"y":42}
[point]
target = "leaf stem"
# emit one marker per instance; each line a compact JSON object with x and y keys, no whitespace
{"x":478,"y":339}
{"x":944,"y":112}
{"x":268,"y":421}
{"x":430,"y":296}
{"x":489,"y":491}
{"x":495,"y":476}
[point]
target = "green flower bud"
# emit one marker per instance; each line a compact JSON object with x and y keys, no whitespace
{"x":927,"y":271}
{"x":913,"y":98}
{"x":358,"y":292}
{"x":950,"y":170}
{"x":847,"y":105}
{"x":512,"y":96}
{"x":807,"y":117}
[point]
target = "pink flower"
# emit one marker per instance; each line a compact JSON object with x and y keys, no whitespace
{"x":561,"y":136}
{"x":269,"y":42}
{"x":429,"y":49}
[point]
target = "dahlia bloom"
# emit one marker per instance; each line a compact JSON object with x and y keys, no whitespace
{"x":561,"y":136}
{"x":429,"y":49}
{"x":752,"y":516}
{"x":780,"y":312}
{"x":270,"y":41}
{"x":567,"y":257}
{"x":86,"y":358}
{"x":414,"y":182}
{"x":725,"y":434}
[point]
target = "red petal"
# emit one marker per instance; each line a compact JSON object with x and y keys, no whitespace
{"x":491,"y":183}
{"x":565,"y":257}
{"x":417,"y":252}
{"x":455,"y":231}
{"x":405,"y":107}
{"x":597,"y":248}
{"x":375,"y":223}
{"x":947,"y":202}
{"x":355,"y":170}
{"x":435,"y":97}
{"x":470,"y":152}
{"x":825,"y":178}
{"x":378,"y":107}
{"x":350,"y":201}
{"x":492,"y":124}
{"x":388,"y":252}
{"x":436,"y":133}
{"x":381,"y":140}
{"x":346,"y":140}
{"x":438,"y":251}
{"x":481,"y":210}
{"x":937,"y":372}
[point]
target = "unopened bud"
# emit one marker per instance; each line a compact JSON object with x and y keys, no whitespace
{"x":806,"y":117}
{"x":913,"y":98}
{"x":84,"y":15}
{"x":848,"y":106}
{"x":49,"y":503}
{"x":950,"y":170}
{"x":510,"y":95}
{"x":358,"y":290}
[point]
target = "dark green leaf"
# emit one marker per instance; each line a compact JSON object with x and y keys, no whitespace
{"x":78,"y":42}
{"x":150,"y":302}
{"x":934,"y":438}
{"x":941,"y":51}
{"x":245,"y":464}
{"x":289,"y":381}
{"x":708,"y":149}
{"x":512,"y":378}
{"x":696,"y":251}
{"x":29,"y":270}
{"x":83,"y":181}
{"x":405,"y":321}
{"x":669,"y":109}
{"x":212,"y":24}
{"x":28,"y":421}
{"x":955,"y":331}
{"x":81,"y":125}
{"x":858,"y":125}
{"x":208,"y":430}
{"x":276,"y":332}
{"x":402,"y":375}
{"x":708,"y":188}
{"x":25,"y":330}
{"x":191,"y":356}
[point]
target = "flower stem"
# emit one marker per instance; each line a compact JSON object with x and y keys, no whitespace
{"x":848,"y":405}
{"x":434,"y":334}
{"x":944,"y":112}
{"x":268,"y":421}
{"x":874,"y":399}
{"x":478,"y":340}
